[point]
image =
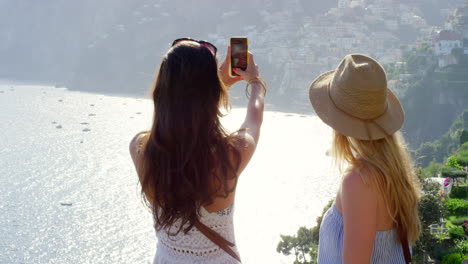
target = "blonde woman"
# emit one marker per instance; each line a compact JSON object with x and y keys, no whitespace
{"x":374,"y":218}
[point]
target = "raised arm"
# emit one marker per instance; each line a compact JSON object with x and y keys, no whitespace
{"x":249,"y":131}
{"x":254,"y":117}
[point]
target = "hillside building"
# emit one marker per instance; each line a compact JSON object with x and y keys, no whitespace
{"x":446,"y":41}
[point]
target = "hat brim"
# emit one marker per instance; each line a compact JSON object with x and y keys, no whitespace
{"x":391,"y":121}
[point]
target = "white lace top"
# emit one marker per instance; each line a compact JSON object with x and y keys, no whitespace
{"x":194,"y":247}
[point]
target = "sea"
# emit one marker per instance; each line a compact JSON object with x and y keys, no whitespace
{"x":69,"y":192}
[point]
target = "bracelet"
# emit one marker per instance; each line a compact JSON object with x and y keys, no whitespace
{"x":256,"y":80}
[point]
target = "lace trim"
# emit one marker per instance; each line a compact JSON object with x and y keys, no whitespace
{"x":194,"y":247}
{"x":194,"y":229}
{"x":226,"y":211}
{"x":190,"y":252}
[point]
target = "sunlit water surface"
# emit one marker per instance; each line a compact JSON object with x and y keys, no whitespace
{"x":69,"y":191}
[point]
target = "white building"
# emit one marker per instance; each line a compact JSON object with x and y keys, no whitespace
{"x":350,"y":3}
{"x":446,"y":41}
{"x":346,"y":42}
{"x":343,"y":3}
{"x":377,"y":10}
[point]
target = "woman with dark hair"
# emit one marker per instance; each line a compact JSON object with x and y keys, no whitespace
{"x":187,"y":164}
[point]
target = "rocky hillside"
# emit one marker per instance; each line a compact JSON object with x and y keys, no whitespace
{"x":115,"y":46}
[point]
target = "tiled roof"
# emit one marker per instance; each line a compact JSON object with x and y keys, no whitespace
{"x":448,"y":35}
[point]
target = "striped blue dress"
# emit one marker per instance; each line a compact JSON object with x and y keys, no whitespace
{"x":386,"y":248}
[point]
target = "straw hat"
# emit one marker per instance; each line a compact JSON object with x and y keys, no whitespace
{"x":355,"y":101}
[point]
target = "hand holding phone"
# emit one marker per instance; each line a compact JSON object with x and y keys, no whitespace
{"x":239,"y":54}
{"x":225,"y":71}
{"x":251,"y":71}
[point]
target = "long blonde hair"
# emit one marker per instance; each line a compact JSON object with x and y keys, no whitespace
{"x":389,"y":170}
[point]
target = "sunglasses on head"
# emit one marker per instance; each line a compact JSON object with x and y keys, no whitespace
{"x":203,"y":43}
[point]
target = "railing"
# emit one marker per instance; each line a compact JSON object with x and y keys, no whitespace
{"x":438,"y":229}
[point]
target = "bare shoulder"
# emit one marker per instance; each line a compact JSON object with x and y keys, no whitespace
{"x":354,"y":187}
{"x":244,"y":142}
{"x":353,"y":180}
{"x":136,"y":144}
{"x":359,"y":208}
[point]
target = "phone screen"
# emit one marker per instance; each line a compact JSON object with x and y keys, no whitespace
{"x":239,"y":49}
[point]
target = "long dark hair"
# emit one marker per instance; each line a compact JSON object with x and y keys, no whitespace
{"x":189,"y":159}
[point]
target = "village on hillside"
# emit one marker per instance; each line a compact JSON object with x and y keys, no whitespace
{"x":453,"y":36}
{"x":379,"y":28}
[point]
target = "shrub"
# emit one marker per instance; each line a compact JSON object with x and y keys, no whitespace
{"x":452,"y":162}
{"x":463,"y":160}
{"x":464,"y":147}
{"x":455,"y":258}
{"x":452,"y":173}
{"x":431,"y":210}
{"x":462,"y":156}
{"x":456,"y":232}
{"x":459,"y":221}
{"x":461,"y":246}
{"x":459,"y":192}
{"x":464,"y":137}
{"x":456,"y":206}
{"x":440,"y":250}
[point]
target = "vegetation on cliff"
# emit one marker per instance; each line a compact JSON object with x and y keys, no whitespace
{"x":433,"y":96}
{"x":440,"y":149}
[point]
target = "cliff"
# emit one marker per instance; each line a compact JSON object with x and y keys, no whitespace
{"x":433,"y":101}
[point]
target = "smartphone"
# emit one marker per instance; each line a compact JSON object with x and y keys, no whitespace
{"x":239,"y":49}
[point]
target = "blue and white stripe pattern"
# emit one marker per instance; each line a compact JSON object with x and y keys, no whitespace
{"x":386,"y":248}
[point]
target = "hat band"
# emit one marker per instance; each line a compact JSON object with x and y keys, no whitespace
{"x":366,"y":121}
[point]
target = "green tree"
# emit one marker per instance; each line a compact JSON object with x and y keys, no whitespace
{"x":461,"y":245}
{"x":432,"y":170}
{"x":304,"y":245}
{"x":287,"y":245}
{"x":458,"y":207}
{"x":426,"y":153}
{"x":455,"y":258}
{"x":463,"y":137}
{"x":300,"y":245}
{"x":431,"y":210}
{"x":453,"y":173}
{"x":313,"y":253}
{"x":452,"y":162}
{"x":465,"y":119}
{"x":462,"y":155}
{"x":456,"y":232}
{"x":459,"y":193}
{"x":440,"y":149}
{"x":453,"y":169}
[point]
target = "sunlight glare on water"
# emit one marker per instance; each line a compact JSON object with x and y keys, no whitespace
{"x":70,"y":193}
